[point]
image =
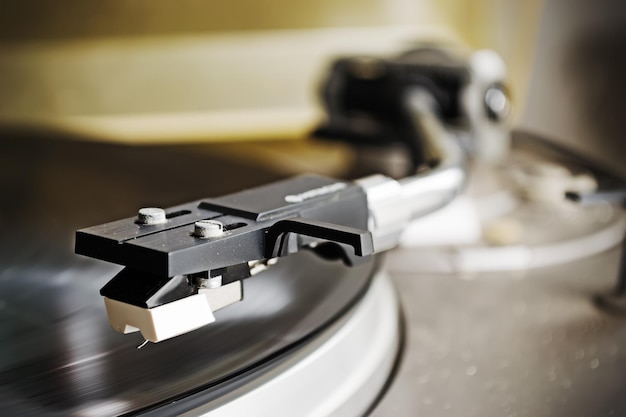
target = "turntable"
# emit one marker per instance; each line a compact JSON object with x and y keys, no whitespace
{"x":275,"y":295}
{"x":58,"y":358}
{"x":253,"y":296}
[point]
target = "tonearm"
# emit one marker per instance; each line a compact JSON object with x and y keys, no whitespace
{"x":186,"y":262}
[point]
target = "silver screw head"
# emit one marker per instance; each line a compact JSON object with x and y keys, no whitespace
{"x":151,"y":215}
{"x":205,"y":229}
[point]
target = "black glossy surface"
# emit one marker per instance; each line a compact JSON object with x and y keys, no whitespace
{"x":249,"y":217}
{"x":58,"y":355}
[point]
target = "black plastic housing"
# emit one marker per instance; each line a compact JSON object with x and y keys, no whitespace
{"x":334,"y":210}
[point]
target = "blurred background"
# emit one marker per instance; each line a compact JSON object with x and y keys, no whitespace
{"x":192,"y":70}
{"x":145,"y":72}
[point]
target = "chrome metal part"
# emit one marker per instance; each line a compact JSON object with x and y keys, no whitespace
{"x":497,"y":103}
{"x":394,"y":203}
{"x":487,"y":107}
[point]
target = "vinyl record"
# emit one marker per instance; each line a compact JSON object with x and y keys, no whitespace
{"x":58,"y":354}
